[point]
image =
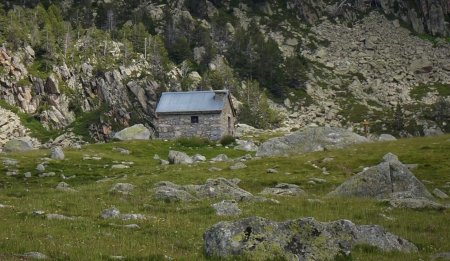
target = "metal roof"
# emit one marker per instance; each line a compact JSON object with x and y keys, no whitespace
{"x":195,"y":101}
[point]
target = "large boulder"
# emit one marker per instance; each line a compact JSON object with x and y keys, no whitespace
{"x":18,"y":145}
{"x":135,"y":132}
{"x":382,"y":181}
{"x":309,"y":139}
{"x":301,"y":239}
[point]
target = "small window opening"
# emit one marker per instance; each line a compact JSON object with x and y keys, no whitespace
{"x":194,"y":119}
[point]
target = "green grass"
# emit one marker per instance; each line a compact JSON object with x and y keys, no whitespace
{"x":420,"y":91}
{"x":176,"y":229}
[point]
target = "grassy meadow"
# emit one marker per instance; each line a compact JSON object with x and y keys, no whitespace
{"x":175,"y":230}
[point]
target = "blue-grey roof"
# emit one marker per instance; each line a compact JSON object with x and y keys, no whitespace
{"x":195,"y":101}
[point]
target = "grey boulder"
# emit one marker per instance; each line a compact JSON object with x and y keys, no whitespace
{"x":301,"y":239}
{"x":284,"y":189}
{"x":309,"y":139}
{"x":220,"y":188}
{"x":382,"y":181}
{"x":440,"y":194}
{"x":135,"y":132}
{"x":386,"y":137}
{"x":57,"y":153}
{"x":122,"y":188}
{"x":178,"y":157}
{"x":227,"y":208}
{"x":18,"y":145}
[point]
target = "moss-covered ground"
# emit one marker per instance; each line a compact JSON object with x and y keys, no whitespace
{"x":175,"y":229}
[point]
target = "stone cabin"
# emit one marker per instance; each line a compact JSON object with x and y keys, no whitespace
{"x":208,"y":114}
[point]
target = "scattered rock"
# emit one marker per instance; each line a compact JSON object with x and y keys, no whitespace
{"x":10,"y":162}
{"x":227,"y":208}
{"x":122,"y":151}
{"x":63,"y":186}
{"x":91,"y":158}
{"x":213,"y":188}
{"x":57,"y":153}
{"x":34,"y":255}
{"x":132,"y":226}
{"x":238,"y":165}
{"x":301,"y":239}
{"x":59,"y":217}
{"x":178,"y":157}
{"x":110,"y":213}
{"x":198,"y":158}
{"x":220,"y":158}
{"x":123,"y":188}
{"x":132,"y":217}
{"x":382,"y":180}
{"x":164,"y":162}
{"x":272,"y":171}
{"x":415,"y":203}
{"x":440,"y":194}
{"x":47,"y":174}
{"x":284,"y":189}
{"x":169,"y":192}
{"x":27,"y":174}
{"x":120,"y":166}
{"x":156,"y":157}
{"x":135,"y":132}
{"x":308,"y":140}
{"x":318,"y":180}
{"x":386,"y":137}
{"x":214,"y":169}
{"x":11,"y":173}
{"x":40,"y":167}
{"x":245,"y":145}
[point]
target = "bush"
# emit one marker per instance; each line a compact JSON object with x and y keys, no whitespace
{"x":193,"y":142}
{"x":227,"y":140}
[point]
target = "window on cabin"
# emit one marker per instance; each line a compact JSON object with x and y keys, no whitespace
{"x":194,"y":119}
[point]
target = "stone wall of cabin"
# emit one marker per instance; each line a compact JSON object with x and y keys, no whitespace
{"x":173,"y":126}
{"x":227,"y":112}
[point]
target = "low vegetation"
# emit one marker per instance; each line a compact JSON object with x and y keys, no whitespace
{"x":174,"y":230}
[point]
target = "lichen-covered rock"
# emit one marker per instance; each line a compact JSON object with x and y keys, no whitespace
{"x":386,"y":137}
{"x":238,"y":165}
{"x":122,"y":188}
{"x":382,"y":180}
{"x":440,"y":194}
{"x":18,"y":145}
{"x":178,"y":157}
{"x":227,"y":208}
{"x":135,"y":132}
{"x":213,"y":188}
{"x":220,"y":158}
{"x":57,"y":153}
{"x":284,"y":189}
{"x":246,"y":145}
{"x":301,"y":239}
{"x":415,"y":203}
{"x":308,"y":140}
{"x":63,"y":186}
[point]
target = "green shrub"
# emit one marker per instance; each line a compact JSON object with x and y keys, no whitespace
{"x":227,"y":140}
{"x":193,"y":142}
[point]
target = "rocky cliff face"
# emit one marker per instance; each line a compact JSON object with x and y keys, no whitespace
{"x":335,"y":63}
{"x":424,"y":16}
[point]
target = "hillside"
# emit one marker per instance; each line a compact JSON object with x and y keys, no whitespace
{"x":79,"y":66}
{"x":63,"y":221}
